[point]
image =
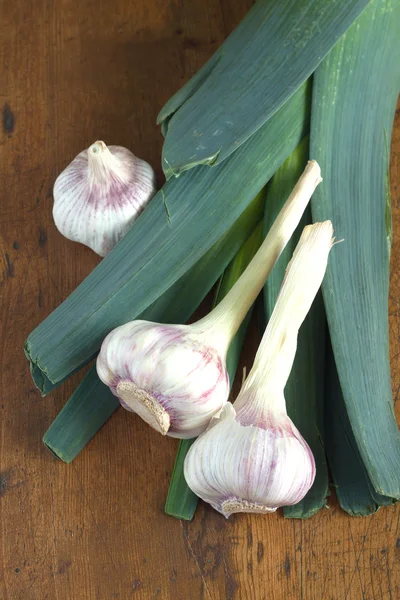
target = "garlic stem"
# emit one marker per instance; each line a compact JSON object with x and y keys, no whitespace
{"x":303,"y":278}
{"x":97,"y":148}
{"x":102,"y":162}
{"x":226,"y":318}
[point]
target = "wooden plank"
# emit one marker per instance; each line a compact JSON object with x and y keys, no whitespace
{"x":72,"y":72}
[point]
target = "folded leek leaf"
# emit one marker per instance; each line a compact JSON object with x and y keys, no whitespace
{"x":353,"y":487}
{"x":89,"y":407}
{"x":304,"y":391}
{"x":187,"y":91}
{"x":92,"y":403}
{"x":162,"y":246}
{"x":181,"y":502}
{"x":354,"y":96}
{"x":262,"y":63}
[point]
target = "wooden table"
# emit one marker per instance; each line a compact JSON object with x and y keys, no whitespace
{"x":70,"y":73}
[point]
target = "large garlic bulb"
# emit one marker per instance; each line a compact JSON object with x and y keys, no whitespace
{"x":170,"y":375}
{"x":174,"y":376}
{"x":252,"y":458}
{"x":100,"y":194}
{"x":256,"y":465}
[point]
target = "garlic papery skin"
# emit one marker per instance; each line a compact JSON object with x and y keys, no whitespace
{"x":174,"y":376}
{"x":100,"y":194}
{"x":252,"y":458}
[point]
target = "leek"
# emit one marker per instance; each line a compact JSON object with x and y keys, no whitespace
{"x":262,"y":63}
{"x":353,"y":487}
{"x":348,"y":138}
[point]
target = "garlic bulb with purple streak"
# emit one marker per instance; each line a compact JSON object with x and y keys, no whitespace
{"x":252,"y":458}
{"x":100,"y":194}
{"x":174,"y":376}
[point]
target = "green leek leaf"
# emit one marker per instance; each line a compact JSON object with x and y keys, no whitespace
{"x":354,"y":96}
{"x":262,"y":63}
{"x":353,"y":487}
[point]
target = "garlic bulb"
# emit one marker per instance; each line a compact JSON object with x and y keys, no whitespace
{"x":252,"y":458}
{"x":250,"y":468}
{"x":100,"y":194}
{"x":174,"y":376}
{"x":168,"y":375}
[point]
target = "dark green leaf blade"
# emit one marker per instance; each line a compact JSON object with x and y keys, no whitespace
{"x":270,"y":54}
{"x":187,"y":91}
{"x":181,"y":502}
{"x":354,"y":489}
{"x":354,"y":95}
{"x":89,"y":407}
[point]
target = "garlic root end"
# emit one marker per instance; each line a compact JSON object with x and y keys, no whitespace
{"x":237,"y":505}
{"x":145,"y":405}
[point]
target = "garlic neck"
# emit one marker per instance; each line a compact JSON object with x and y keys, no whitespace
{"x":145,"y":405}
{"x":103,"y":165}
{"x":274,"y":359}
{"x":228,"y":315}
{"x":260,"y":403}
{"x":276,"y":353}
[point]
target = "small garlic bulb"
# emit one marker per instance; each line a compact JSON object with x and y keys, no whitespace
{"x":252,"y":458}
{"x":174,"y":376}
{"x":100,"y":194}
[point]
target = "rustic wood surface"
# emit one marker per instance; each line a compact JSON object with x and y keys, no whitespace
{"x":70,"y":73}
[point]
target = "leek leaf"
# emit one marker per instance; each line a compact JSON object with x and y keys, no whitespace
{"x":353,"y":487}
{"x":261,"y":64}
{"x":354,"y":96}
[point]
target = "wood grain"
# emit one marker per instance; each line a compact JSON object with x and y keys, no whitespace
{"x":70,"y":73}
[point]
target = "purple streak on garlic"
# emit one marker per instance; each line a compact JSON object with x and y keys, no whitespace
{"x":174,"y":376}
{"x":252,"y":458}
{"x":100,"y":194}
